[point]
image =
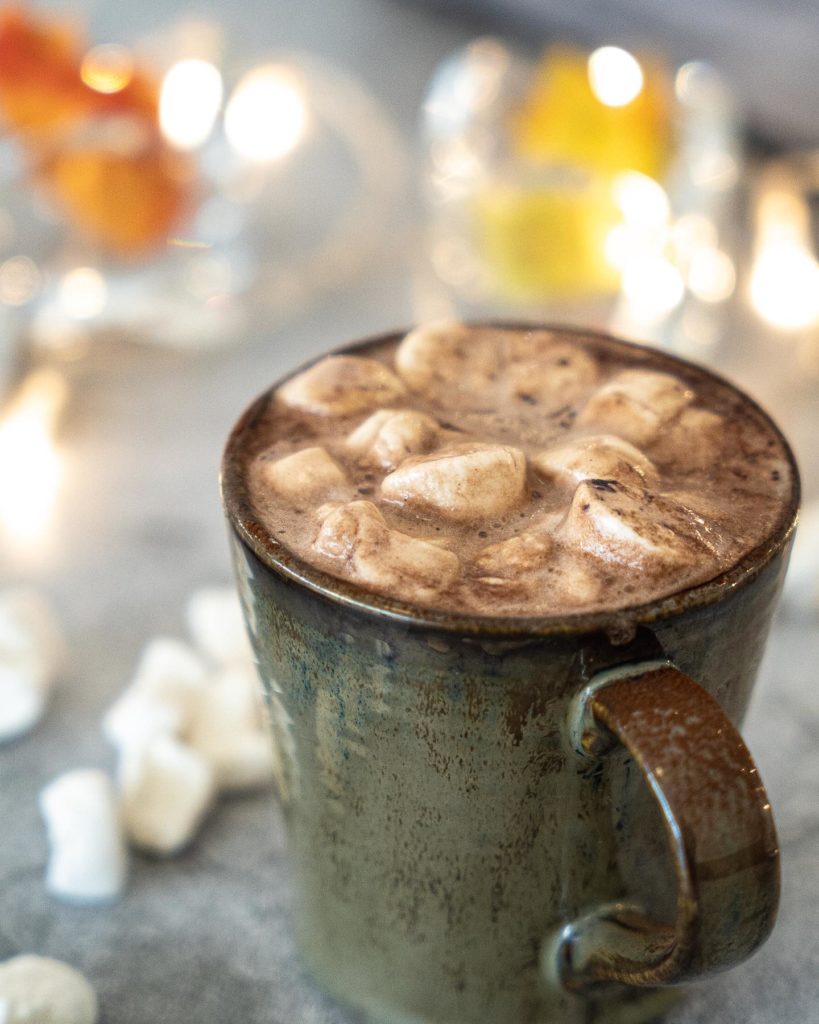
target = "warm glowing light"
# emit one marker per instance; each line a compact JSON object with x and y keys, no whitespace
{"x":642,"y":201}
{"x":189,"y":102}
{"x":107,"y":68}
{"x":784,"y":286}
{"x":30,"y":465}
{"x":82,"y":293}
{"x":617,"y":247}
{"x":615,"y":76}
{"x":653,"y":288}
{"x":690,"y":233}
{"x":267,"y":115}
{"x":711,"y":275}
{"x":19,"y":281}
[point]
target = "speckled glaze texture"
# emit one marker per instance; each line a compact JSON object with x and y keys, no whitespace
{"x":461,"y":853}
{"x":441,"y":825}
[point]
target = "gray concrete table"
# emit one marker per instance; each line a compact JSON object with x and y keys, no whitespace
{"x":206,"y":938}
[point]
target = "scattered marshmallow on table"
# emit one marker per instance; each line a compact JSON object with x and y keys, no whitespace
{"x":31,"y":654}
{"x":215,"y":621}
{"x":228,"y":730}
{"x":166,"y":789}
{"x":161,"y":699}
{"x":88,"y":861}
{"x":39,"y":990}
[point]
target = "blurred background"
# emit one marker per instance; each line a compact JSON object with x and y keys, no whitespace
{"x":196,"y":198}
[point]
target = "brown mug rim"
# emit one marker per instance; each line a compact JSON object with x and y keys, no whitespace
{"x":346,"y":593}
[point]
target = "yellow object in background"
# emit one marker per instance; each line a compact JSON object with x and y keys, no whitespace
{"x":604,"y":111}
{"x":545,"y":220}
{"x":547,"y":240}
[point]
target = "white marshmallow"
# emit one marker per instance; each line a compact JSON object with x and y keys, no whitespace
{"x":634,"y":527}
{"x":166,"y":788}
{"x":168,"y":682}
{"x":342,"y":386}
{"x":602,"y":456}
{"x":637,"y":404}
{"x":228,"y":730}
{"x":357,"y":539}
{"x":692,"y":441}
{"x":388,"y":437}
{"x":306,"y":475}
{"x":461,"y":482}
{"x":32,"y":652}
{"x":22,"y":702}
{"x":544,"y":370}
{"x":528,"y":550}
{"x":88,"y":861}
{"x":39,"y":990}
{"x":446,"y":357}
{"x":215,"y":620}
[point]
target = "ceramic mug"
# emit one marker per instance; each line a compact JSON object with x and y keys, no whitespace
{"x":514,"y":820}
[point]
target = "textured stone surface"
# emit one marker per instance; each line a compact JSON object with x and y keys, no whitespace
{"x":206,"y":937}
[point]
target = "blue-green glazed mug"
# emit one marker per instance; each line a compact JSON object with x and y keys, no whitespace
{"x":510,"y":820}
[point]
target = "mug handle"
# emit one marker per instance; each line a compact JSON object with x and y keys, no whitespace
{"x":719,"y":827}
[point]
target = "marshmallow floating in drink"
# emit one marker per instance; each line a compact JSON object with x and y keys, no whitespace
{"x":31,"y":654}
{"x":388,"y":437}
{"x":637,"y":404}
{"x":356,"y":538}
{"x":306,"y":475}
{"x":342,"y":386}
{"x":463,"y":482}
{"x":87,"y":861}
{"x":39,"y":990}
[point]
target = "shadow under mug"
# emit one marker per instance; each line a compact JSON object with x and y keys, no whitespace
{"x":515,"y":820}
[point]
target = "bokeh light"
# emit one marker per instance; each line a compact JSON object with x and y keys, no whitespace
{"x":82,"y":293}
{"x":107,"y":68}
{"x":615,"y":76}
{"x":266,"y":116}
{"x":31,"y":467}
{"x":189,"y":102}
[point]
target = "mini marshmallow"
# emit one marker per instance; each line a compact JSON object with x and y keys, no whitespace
{"x":637,"y":404}
{"x":461,"y":482}
{"x":305,"y":476}
{"x":388,"y":437}
{"x":166,"y":788}
{"x":544,"y":370}
{"x":39,"y":990}
{"x":602,"y":456}
{"x":32,"y":651}
{"x":166,"y":686}
{"x":357,"y":539}
{"x":527,"y":551}
{"x":441,"y":357}
{"x":631,"y":526}
{"x":88,"y":861}
{"x":342,"y":386}
{"x":228,"y":730}
{"x":215,"y":620}
{"x":692,"y":441}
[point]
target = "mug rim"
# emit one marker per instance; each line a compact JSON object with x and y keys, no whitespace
{"x":620,"y":621}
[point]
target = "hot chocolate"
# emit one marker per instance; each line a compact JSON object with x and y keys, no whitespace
{"x":515,"y":472}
